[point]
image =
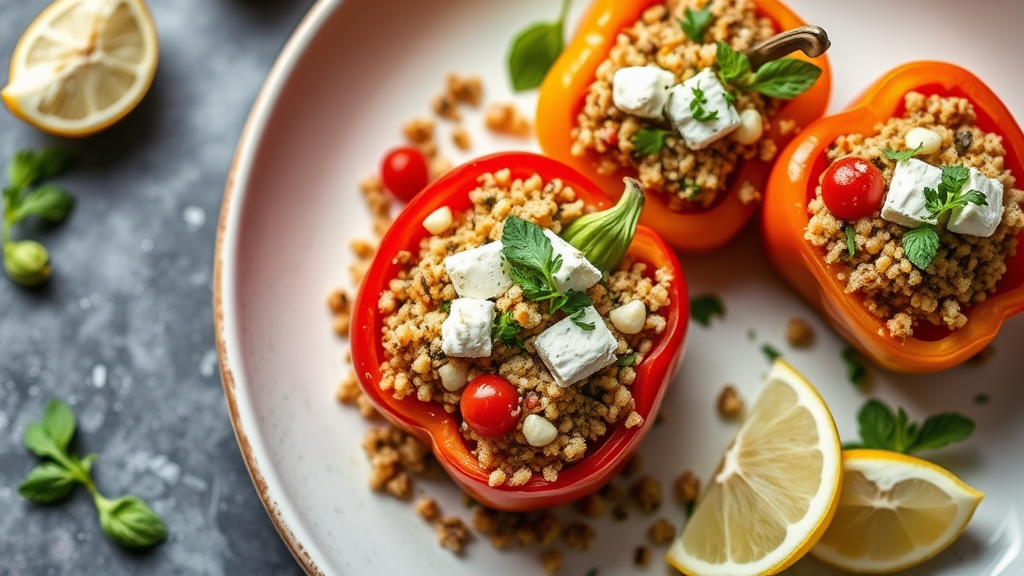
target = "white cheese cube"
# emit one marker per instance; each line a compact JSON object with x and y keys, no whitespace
{"x":642,"y":90}
{"x":979,"y":220}
{"x":466,"y":332}
{"x":905,"y":200}
{"x":572,"y":353}
{"x":576,"y":272}
{"x":479,"y":272}
{"x":695,"y":133}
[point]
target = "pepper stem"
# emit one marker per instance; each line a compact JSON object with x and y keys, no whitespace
{"x":604,"y":236}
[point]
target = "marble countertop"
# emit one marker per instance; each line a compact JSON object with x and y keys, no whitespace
{"x":123,"y":331}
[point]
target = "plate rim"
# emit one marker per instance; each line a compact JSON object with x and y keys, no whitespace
{"x":227,"y":236}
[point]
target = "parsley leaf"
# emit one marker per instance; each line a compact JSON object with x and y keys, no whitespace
{"x":770,"y":352}
{"x":626,"y":360}
{"x":577,"y":319}
{"x":534,"y":51}
{"x":697,"y":106}
{"x":901,"y":156}
{"x":649,"y":140}
{"x":920,"y":245}
{"x":532,"y":265}
{"x":851,"y":240}
{"x":733,"y":66}
{"x":695,"y":23}
{"x":506,"y":329}
{"x":703,"y":307}
{"x":882,"y":429}
{"x":446,"y":307}
{"x":856,"y":372}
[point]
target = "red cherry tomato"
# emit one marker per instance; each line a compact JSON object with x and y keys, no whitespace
{"x":490,"y":405}
{"x":852,"y":188}
{"x":404,"y":172}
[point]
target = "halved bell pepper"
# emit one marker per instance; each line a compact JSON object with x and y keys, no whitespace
{"x":562,"y":97}
{"x":793,"y":184}
{"x":439,"y":429}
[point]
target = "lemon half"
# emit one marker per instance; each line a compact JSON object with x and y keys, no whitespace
{"x":775,"y":490}
{"x":82,"y":65}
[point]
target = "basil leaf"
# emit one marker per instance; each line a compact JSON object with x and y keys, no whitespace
{"x":38,"y":439}
{"x":59,"y":421}
{"x":130,"y":522}
{"x":695,"y":23}
{"x":649,"y":140}
{"x":901,"y":156}
{"x":703,"y":307}
{"x":47,"y":202}
{"x":534,"y":51}
{"x":784,"y":78}
{"x":942,"y":430}
{"x":877,"y":425}
{"x":920,"y":245}
{"x":47,"y":483}
{"x":733,"y":65}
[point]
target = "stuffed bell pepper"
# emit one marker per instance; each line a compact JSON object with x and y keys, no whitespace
{"x":523,"y":327}
{"x":693,"y":98}
{"x":900,"y":218}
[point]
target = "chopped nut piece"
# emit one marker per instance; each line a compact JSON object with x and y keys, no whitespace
{"x":646,"y":493}
{"x":729,"y":402}
{"x":400,"y":486}
{"x":578,"y":535}
{"x":505,"y":118}
{"x":337,"y":301}
{"x":591,"y":506}
{"x":799,"y":333}
{"x":551,"y":561}
{"x":468,"y":89}
{"x":419,"y":130}
{"x":460,"y":137}
{"x":444,"y":106}
{"x":428,"y":509}
{"x":620,"y":511}
{"x":661,"y":532}
{"x":686,"y":488}
{"x":453,"y":534}
{"x":642,"y":556}
{"x":363,"y":249}
{"x":348,"y":391}
{"x":341,"y":323}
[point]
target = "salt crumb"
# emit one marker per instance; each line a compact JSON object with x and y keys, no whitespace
{"x":99,"y":376}
{"x":194,"y":217}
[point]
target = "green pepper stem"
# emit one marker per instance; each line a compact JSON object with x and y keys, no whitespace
{"x":604,"y":236}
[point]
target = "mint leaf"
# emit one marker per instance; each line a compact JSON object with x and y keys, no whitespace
{"x":532,"y":265}
{"x":881,"y":429}
{"x":47,"y":202}
{"x":856,"y":372}
{"x":920,"y":245}
{"x":877,"y":425}
{"x":626,"y":360}
{"x":524,"y":245}
{"x":732,"y":65}
{"x":534,"y":51}
{"x":974,"y":197}
{"x":47,"y":483}
{"x":54,"y":161}
{"x":704,"y":307}
{"x":901,"y":156}
{"x":695,"y":23}
{"x":942,"y":430}
{"x":932,"y":202}
{"x":954,"y":176}
{"x":23,"y":169}
{"x":851,"y":240}
{"x":59,"y":421}
{"x":784,"y":78}
{"x":38,"y":439}
{"x":575,"y":302}
{"x":649,"y":140}
{"x":577,"y":319}
{"x":130,"y":522}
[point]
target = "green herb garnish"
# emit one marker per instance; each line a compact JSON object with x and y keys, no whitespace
{"x":626,"y":360}
{"x":881,"y":429}
{"x":126,"y":520}
{"x":902,"y":156}
{"x":27,"y":262}
{"x":856,"y":372}
{"x":784,"y":78}
{"x":921,"y":244}
{"x":446,"y":307}
{"x":697,"y":106}
{"x":506,"y":329}
{"x":770,"y":352}
{"x":695,"y":22}
{"x":703,"y":307}
{"x":649,"y":140}
{"x":532,"y":265}
{"x":534,"y":51}
{"x":605,"y":236}
{"x":851,"y":240}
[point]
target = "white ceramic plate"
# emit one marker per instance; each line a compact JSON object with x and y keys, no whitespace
{"x":335,"y":100}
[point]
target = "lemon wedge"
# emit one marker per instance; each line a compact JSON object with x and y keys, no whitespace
{"x":82,"y":65}
{"x":895,"y":511}
{"x":775,"y":490}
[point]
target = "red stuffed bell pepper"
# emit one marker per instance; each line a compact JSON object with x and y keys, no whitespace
{"x":563,"y":95}
{"x":793,"y":185}
{"x":442,"y":429}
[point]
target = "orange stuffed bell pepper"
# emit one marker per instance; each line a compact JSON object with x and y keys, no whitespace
{"x":803,"y":165}
{"x":708,"y":221}
{"x":496,"y":439}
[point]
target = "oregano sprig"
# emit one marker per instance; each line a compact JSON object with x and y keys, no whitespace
{"x":697,"y":106}
{"x":126,"y":520}
{"x":921,"y":244}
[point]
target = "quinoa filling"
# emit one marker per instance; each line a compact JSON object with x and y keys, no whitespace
{"x":689,"y":179}
{"x":966,"y":269}
{"x":414,"y":308}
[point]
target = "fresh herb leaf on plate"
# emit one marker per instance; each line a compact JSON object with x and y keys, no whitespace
{"x":856,"y":371}
{"x":770,"y":352}
{"x":534,"y":51}
{"x":704,"y":307}
{"x":882,"y":429}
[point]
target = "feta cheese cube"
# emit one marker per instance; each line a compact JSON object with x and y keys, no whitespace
{"x":979,"y":220}
{"x":576,"y":272}
{"x":642,"y":90}
{"x":905,"y":201}
{"x":479,"y":272}
{"x":466,"y":332}
{"x":695,"y":133}
{"x":572,"y":353}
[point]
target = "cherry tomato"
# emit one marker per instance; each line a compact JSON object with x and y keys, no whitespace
{"x":852,"y":188}
{"x":490,"y":405}
{"x":404,"y":172}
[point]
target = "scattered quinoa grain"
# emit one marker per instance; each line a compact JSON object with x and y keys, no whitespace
{"x":646,"y":494}
{"x":642,"y":556}
{"x":419,"y":130}
{"x":686,"y":488}
{"x":578,"y":535}
{"x":466,"y":89}
{"x":460,"y":137}
{"x":453,"y":534}
{"x":730,"y":404}
{"x":505,"y":118}
{"x":591,"y":506}
{"x":444,"y":106}
{"x":661,"y":532}
{"x":799,"y":333}
{"x":428,"y":509}
{"x":551,"y":561}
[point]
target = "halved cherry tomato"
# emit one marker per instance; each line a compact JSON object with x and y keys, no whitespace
{"x":404,"y":172}
{"x":852,"y":188}
{"x":490,"y":405}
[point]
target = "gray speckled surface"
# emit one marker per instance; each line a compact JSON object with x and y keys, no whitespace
{"x":124,"y":329}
